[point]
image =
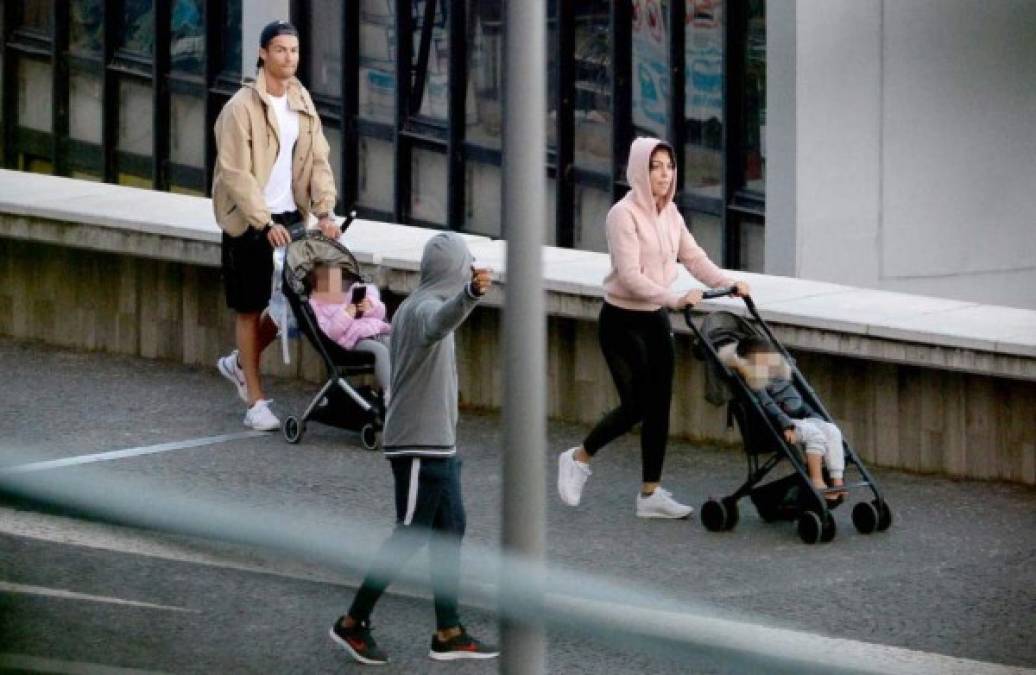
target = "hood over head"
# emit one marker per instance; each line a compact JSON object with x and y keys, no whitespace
{"x":445,"y":265}
{"x":638,"y":172}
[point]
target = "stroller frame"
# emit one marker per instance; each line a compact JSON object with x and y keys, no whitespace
{"x":798,"y":498}
{"x":338,"y":403}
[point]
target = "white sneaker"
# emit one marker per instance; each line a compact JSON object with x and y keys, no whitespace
{"x":572,"y":476}
{"x":260,"y":418}
{"x":660,"y":504}
{"x":229,"y":368}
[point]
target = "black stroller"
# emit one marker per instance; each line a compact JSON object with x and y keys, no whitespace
{"x":792,"y":497}
{"x":338,"y":403}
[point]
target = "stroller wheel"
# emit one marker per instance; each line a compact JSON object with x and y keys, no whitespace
{"x":714,"y":515}
{"x":733,"y":515}
{"x":827,"y":533}
{"x":293,"y":429}
{"x":810,"y":528}
{"x":884,"y":515}
{"x":369,"y":437}
{"x":865,"y":517}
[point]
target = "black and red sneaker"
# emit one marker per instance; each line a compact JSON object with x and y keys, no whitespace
{"x":461,"y":646}
{"x":358,"y":642}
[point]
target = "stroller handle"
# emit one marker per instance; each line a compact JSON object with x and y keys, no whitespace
{"x":349,"y":218}
{"x":711,"y":293}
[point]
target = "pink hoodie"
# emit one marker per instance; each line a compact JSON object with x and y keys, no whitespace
{"x":645,"y":244}
{"x":344,"y":329}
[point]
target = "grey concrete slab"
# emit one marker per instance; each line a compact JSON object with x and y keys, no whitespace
{"x":800,"y":303}
{"x":955,"y":574}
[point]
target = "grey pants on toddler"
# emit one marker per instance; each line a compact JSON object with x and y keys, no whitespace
{"x":823,"y":438}
{"x":379,"y":346}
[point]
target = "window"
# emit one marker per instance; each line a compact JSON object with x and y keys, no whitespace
{"x":231,"y":38}
{"x":703,"y":108}
{"x":187,"y":31}
{"x":138,"y":26}
{"x":378,"y":60}
{"x":323,"y":48}
{"x":593,"y":120}
{"x":651,"y":88}
{"x":755,"y":98}
{"x":37,"y":16}
{"x":485,"y":73}
{"x":35,"y":94}
{"x":430,"y":59}
{"x":86,"y":26}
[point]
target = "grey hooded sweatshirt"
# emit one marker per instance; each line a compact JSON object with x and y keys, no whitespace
{"x":422,"y":415}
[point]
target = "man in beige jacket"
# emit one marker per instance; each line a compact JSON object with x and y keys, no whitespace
{"x":271,"y":172}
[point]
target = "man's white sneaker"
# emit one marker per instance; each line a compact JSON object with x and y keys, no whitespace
{"x":260,"y":418}
{"x":660,"y":504}
{"x":229,"y":368}
{"x":572,"y":475}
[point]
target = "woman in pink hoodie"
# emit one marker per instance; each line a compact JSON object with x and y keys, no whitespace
{"x":360,"y":326}
{"x":647,"y":236}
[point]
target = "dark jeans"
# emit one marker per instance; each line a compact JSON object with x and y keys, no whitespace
{"x":638,"y":347}
{"x":428,"y":506}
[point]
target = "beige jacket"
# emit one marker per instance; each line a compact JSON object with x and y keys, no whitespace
{"x":247,"y":142}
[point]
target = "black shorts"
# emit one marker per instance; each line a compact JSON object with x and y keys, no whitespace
{"x":248,"y":266}
{"x":247,"y":271}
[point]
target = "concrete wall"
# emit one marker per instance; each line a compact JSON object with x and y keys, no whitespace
{"x":896,"y":415}
{"x":901,"y":146}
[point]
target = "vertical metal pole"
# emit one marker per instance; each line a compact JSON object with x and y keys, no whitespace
{"x":524,"y":324}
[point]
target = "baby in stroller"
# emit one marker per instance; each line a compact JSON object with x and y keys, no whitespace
{"x":768,"y":375}
{"x":355,"y":319}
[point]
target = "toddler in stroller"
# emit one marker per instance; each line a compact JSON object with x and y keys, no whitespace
{"x":315,"y":268}
{"x":775,"y":408}
{"x":769,"y":376}
{"x":357,"y":324}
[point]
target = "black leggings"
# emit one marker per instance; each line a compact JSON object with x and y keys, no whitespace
{"x":638,"y":347}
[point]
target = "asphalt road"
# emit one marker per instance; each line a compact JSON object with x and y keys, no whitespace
{"x":954,"y":576}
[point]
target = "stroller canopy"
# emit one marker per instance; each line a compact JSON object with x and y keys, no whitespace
{"x":305,"y":254}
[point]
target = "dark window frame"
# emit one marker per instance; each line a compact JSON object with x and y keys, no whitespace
{"x":408,"y":131}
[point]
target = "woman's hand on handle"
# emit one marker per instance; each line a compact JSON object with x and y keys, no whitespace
{"x":741,"y":289}
{"x":692,"y":298}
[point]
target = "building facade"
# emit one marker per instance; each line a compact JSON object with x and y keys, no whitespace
{"x":875,"y":143}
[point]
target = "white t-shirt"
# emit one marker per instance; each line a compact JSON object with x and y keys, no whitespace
{"x":278,"y":189}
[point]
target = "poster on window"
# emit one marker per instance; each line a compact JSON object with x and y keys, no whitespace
{"x":651,"y":89}
{"x":703,"y":54}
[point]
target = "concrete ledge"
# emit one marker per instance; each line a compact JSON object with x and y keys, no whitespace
{"x":813,"y":316}
{"x":921,"y":383}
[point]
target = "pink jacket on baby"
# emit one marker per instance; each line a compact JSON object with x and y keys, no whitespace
{"x":346,"y":330}
{"x":646,"y":244}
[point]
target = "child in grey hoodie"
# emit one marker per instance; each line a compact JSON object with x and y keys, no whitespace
{"x":420,"y":441}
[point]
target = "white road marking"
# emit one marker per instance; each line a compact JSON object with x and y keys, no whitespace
{"x":61,"y":594}
{"x":129,"y":452}
{"x":39,"y":664}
